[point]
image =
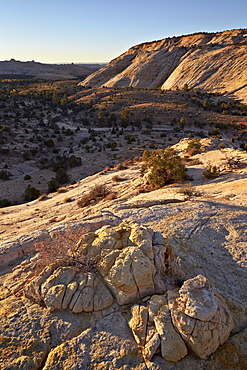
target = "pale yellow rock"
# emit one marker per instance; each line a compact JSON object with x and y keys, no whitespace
{"x":131,"y":276}
{"x":173,"y":347}
{"x":138,"y":323}
{"x":154,"y":305}
{"x":213,"y":62}
{"x":142,"y":237}
{"x":205,"y":330}
{"x":70,"y":290}
{"x":54,"y":297}
{"x":152,"y":343}
{"x":62,"y":275}
{"x":102,"y":297}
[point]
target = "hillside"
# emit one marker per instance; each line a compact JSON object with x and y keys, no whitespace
{"x":12,"y":68}
{"x":214,"y":62}
{"x":133,"y":279}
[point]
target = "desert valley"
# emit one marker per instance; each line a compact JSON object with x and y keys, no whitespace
{"x":124,"y":207}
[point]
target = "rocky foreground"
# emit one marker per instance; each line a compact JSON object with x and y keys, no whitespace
{"x":214,"y":62}
{"x":143,"y":281}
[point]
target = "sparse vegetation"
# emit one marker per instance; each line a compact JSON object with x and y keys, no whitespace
{"x":31,"y":193}
{"x":163,"y":166}
{"x":63,"y":250}
{"x":194,"y":147}
{"x":211,"y":172}
{"x":95,"y":194}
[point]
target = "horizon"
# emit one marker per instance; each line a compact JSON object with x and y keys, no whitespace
{"x":79,"y":32}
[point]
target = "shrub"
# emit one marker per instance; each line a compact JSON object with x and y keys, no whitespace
{"x":64,"y":250}
{"x":27,"y":177}
{"x":31,"y":193}
{"x":189,"y":191}
{"x":117,"y":178}
{"x":42,"y":197}
{"x":53,"y":185}
{"x":61,"y":190}
{"x":96,"y":193}
{"x":193,"y":147}
{"x":5,"y":203}
{"x":61,"y":176}
{"x":211,"y":172}
{"x":164,"y":166}
{"x":120,"y":166}
{"x":67,"y":200}
{"x":4,"y":175}
{"x":111,"y":196}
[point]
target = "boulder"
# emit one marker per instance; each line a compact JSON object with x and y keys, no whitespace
{"x":201,"y":317}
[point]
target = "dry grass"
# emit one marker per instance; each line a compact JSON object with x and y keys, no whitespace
{"x":67,"y":200}
{"x":118,"y":178}
{"x":96,"y":193}
{"x":61,"y":190}
{"x":42,"y":197}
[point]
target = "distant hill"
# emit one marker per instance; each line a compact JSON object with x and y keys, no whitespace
{"x":12,"y":68}
{"x":215,"y":62}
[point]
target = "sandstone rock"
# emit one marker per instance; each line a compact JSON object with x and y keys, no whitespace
{"x":194,"y":60}
{"x":197,"y":299}
{"x":108,"y":345}
{"x":172,"y":345}
{"x":205,"y":330}
{"x":152,"y":343}
{"x":138,"y":323}
{"x":131,"y":276}
{"x":70,"y":290}
{"x":63,"y":275}
{"x":54,"y":297}
{"x":142,"y":237}
{"x":154,"y":305}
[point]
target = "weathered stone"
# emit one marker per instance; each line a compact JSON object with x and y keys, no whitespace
{"x":70,"y":290}
{"x":138,"y":323}
{"x":152,"y":343}
{"x":173,"y":347}
{"x":154,"y":305}
{"x":162,"y":64}
{"x":54,"y":297}
{"x":204,"y":332}
{"x":197,"y":299}
{"x":107,"y":345}
{"x":62,"y":275}
{"x":142,"y":237}
{"x":131,"y":276}
{"x":102,"y":297}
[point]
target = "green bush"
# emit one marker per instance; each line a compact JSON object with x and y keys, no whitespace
{"x":31,"y":193}
{"x":211,"y":172}
{"x":4,"y":175}
{"x":4,"y":203}
{"x":27,"y":177}
{"x":53,"y":186}
{"x":164,"y":166}
{"x":194,"y":147}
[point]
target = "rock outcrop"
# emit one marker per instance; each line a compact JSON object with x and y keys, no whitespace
{"x":147,"y":283}
{"x":214,"y":62}
{"x":122,"y":289}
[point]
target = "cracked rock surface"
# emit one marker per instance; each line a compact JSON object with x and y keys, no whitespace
{"x":134,"y":310}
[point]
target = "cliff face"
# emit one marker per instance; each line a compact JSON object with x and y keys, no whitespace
{"x":215,"y":62}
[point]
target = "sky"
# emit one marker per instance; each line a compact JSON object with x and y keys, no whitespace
{"x":87,"y":31}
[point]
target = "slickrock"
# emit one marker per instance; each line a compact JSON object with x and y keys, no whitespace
{"x":214,"y":62}
{"x":125,"y":308}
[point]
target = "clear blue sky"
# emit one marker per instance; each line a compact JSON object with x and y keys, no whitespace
{"x":56,"y":31}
